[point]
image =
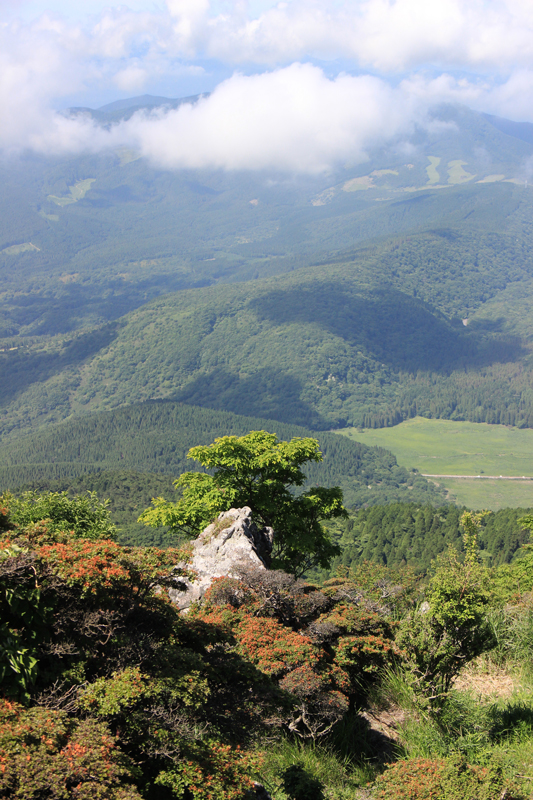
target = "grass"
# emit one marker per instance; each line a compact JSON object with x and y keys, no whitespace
{"x":77,"y":192}
{"x":437,"y":446}
{"x":433,"y":175}
{"x":457,"y":173}
{"x":15,"y":249}
{"x":491,"y":495}
{"x":340,"y":778}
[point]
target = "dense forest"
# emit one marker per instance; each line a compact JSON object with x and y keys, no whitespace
{"x":411,"y":534}
{"x":132,"y":454}
{"x":317,"y":348}
{"x":378,"y":311}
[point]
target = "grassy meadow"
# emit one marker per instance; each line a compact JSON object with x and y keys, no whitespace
{"x":437,"y":446}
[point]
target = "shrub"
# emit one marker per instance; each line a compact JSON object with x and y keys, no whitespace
{"x":444,"y":779}
{"x":299,"y":785}
{"x":216,"y":771}
{"x":43,"y":753}
{"x":83,"y":515}
{"x":450,"y":629}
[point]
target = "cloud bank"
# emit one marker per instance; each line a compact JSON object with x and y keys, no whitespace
{"x":399,"y":57}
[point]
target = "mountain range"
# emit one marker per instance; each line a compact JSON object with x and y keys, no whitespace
{"x":363,"y":296}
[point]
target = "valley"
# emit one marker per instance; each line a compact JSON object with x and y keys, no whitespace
{"x":380,"y":308}
{"x":389,"y":291}
{"x":450,"y":449}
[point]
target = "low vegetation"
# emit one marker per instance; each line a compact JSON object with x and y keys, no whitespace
{"x":453,"y":448}
{"x":372,"y":684}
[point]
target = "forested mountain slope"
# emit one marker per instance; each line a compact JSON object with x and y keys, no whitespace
{"x":401,"y":288}
{"x":155,"y":437}
{"x":322,"y":347}
{"x":414,"y":534}
{"x":85,"y":239}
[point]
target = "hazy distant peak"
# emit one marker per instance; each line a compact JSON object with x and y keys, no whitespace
{"x":520,"y":130}
{"x":124,"y":109}
{"x":142,"y":100}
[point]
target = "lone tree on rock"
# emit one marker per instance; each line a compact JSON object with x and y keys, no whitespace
{"x":261,"y":472}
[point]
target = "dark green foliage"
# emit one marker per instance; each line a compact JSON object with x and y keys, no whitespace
{"x":300,"y":786}
{"x":22,"y":624}
{"x":413,"y":534}
{"x":155,"y":437}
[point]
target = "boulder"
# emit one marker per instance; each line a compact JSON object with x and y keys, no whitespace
{"x":231,"y":545}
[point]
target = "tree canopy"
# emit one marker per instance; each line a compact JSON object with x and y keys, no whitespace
{"x":259,"y":471}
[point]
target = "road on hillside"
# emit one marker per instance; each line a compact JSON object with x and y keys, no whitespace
{"x":482,"y":477}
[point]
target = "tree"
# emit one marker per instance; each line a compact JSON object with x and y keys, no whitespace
{"x":450,"y":628}
{"x":261,"y":472}
{"x":84,"y":516}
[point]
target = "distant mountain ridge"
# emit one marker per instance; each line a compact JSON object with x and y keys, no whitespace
{"x":520,"y":130}
{"x":124,"y":109}
{"x":382,"y":290}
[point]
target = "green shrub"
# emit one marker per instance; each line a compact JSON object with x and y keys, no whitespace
{"x":299,"y":785}
{"x":444,"y":779}
{"x":43,"y":753}
{"x":450,"y":629}
{"x":84,"y":516}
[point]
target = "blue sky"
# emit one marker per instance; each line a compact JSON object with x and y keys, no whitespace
{"x":297,"y":84}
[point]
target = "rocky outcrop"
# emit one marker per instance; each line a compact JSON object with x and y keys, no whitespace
{"x":232,"y":544}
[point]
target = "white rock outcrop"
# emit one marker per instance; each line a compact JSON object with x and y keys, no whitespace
{"x":230,"y":545}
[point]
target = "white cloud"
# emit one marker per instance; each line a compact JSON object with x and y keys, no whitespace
{"x":383,"y":34}
{"x":131,"y":79}
{"x":291,"y":117}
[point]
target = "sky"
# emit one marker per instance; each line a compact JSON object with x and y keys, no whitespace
{"x":297,"y":86}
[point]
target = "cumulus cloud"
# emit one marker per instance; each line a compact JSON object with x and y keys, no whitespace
{"x":383,"y":34}
{"x":292,"y":119}
{"x":289,"y":117}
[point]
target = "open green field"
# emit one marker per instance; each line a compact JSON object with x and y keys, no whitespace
{"x":491,"y":495}
{"x":445,"y":447}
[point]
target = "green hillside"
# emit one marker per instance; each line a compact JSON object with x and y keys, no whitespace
{"x":132,"y":454}
{"x":328,"y":346}
{"x":155,"y":437}
{"x":86,"y":239}
{"x":414,"y":534}
{"x":368,"y":296}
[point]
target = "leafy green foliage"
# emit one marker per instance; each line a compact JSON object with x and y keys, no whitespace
{"x":450,"y":628}
{"x":449,"y":779}
{"x":258,"y":471}
{"x":21,"y":626}
{"x":85,"y":516}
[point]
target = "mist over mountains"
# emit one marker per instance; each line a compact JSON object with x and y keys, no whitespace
{"x":360,"y":296}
